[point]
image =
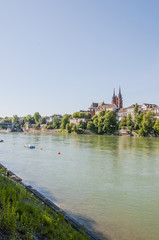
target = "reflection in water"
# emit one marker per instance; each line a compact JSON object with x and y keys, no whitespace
{"x":108,"y":183}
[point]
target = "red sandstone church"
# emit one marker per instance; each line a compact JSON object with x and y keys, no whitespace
{"x":117,"y":103}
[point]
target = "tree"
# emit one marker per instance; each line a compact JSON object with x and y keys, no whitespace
{"x":156,"y":126}
{"x":37,"y":117}
{"x":95,"y":121}
{"x":81,"y":115}
{"x":91,"y":127}
{"x":15,"y":119}
{"x":6,"y":120}
{"x":64,"y":121}
{"x":136,"y":109}
{"x":130,"y":123}
{"x":88,"y":115}
{"x":82,"y":124}
{"x":123,"y":122}
{"x":30,"y":119}
{"x":56,"y":123}
{"x":43,"y":120}
{"x":138,"y":121}
{"x":110,"y":122}
{"x":147,"y":123}
{"x":101,"y":113}
{"x":68,"y":128}
{"x":74,"y":128}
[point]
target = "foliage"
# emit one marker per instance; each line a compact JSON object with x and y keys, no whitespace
{"x":138,"y":121}
{"x":64,"y":121}
{"x":22,"y":216}
{"x":130,"y":123}
{"x":37,"y":117}
{"x":29,"y":119}
{"x":43,"y":120}
{"x":136,"y":109}
{"x":56,"y":123}
{"x":74,"y":128}
{"x":110,"y":122}
{"x":6,"y":120}
{"x":147,"y":123}
{"x":123,"y":122}
{"x":91,"y":127}
{"x":15,"y":119}
{"x":82,"y":125}
{"x":68,"y":127}
{"x":156,"y":126}
{"x":49,"y":126}
{"x":81,"y":115}
{"x":104,"y":122}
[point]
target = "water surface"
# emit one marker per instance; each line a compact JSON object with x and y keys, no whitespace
{"x":110,"y":184}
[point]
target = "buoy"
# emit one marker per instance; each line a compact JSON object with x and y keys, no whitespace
{"x":58,"y":152}
{"x":41,"y":149}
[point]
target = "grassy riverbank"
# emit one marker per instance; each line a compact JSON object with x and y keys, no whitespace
{"x":22,"y":216}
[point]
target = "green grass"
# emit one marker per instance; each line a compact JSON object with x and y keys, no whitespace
{"x":23,"y":216}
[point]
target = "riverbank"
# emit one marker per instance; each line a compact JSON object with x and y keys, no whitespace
{"x":26,"y":214}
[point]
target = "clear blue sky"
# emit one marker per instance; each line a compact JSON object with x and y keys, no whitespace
{"x":58,"y":56}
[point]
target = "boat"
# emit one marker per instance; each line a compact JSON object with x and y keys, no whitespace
{"x":29,"y":146}
{"x":1,"y":140}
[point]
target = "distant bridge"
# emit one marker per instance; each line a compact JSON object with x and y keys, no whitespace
{"x":9,"y":126}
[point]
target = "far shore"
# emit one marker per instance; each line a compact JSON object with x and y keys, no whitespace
{"x":86,"y":132}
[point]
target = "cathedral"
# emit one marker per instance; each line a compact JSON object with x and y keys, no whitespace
{"x":116,"y":104}
{"x":117,"y":100}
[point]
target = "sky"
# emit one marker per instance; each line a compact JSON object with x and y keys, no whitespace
{"x":59,"y":56}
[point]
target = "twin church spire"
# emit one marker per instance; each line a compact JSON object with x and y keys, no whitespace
{"x":117,"y":100}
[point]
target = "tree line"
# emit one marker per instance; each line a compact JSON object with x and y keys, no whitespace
{"x":104,"y":123}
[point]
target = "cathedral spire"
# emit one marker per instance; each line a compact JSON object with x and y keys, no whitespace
{"x":120,"y":99}
{"x":114,"y":93}
{"x":119,"y":92}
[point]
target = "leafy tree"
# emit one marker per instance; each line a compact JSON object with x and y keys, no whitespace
{"x":91,"y":127}
{"x":74,"y":128}
{"x":64,"y":121}
{"x":147,"y":123}
{"x":101,"y":113}
{"x":43,"y":120}
{"x":123,"y":122}
{"x":130,"y":123}
{"x":37,"y":117}
{"x":156,"y":126}
{"x":101,"y":119}
{"x":15,"y":119}
{"x":138,"y":121}
{"x":6,"y":120}
{"x":68,"y":127}
{"x":110,"y":122}
{"x":81,"y":115}
{"x":88,"y":115}
{"x":95,"y":121}
{"x":30,"y":119}
{"x":82,"y":125}
{"x":136,"y":109}
{"x":56,"y":123}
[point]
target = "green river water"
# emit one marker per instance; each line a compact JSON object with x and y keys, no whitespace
{"x":110,"y":184}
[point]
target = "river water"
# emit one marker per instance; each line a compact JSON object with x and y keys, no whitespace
{"x":110,"y":184}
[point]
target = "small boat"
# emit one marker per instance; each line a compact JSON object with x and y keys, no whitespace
{"x":29,"y":146}
{"x":1,"y":140}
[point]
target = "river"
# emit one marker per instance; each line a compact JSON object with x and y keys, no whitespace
{"x":108,"y":183}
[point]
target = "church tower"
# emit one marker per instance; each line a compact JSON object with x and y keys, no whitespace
{"x":120,"y":99}
{"x":114,"y":99}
